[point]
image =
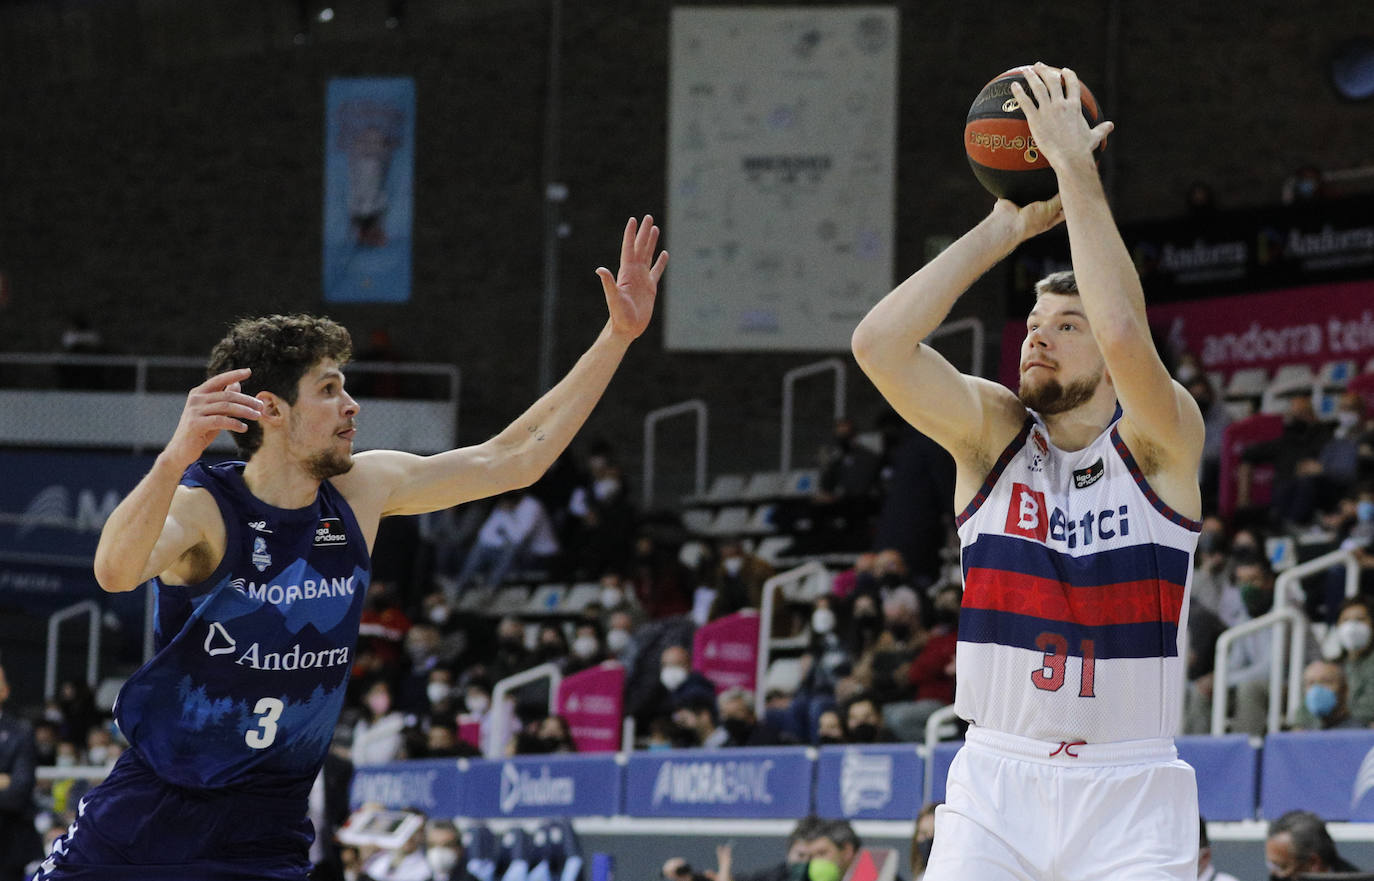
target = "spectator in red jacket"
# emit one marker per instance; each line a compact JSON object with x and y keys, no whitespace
{"x":931,"y":672}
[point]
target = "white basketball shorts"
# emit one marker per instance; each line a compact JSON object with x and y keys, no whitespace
{"x":1018,"y":809}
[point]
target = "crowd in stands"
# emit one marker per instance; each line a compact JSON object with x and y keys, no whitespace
{"x":872,"y":657}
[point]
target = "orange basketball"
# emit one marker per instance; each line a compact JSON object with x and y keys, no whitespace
{"x":999,"y":145}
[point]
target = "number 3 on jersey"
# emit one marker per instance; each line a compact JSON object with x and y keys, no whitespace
{"x":1050,"y":676}
{"x":269,"y":710}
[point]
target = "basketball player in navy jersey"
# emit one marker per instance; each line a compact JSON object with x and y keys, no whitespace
{"x":1078,"y":503}
{"x":260,"y":569}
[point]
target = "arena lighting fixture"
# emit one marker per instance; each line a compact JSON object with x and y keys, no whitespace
{"x":1351,"y":68}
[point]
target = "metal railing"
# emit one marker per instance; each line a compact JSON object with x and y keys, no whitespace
{"x":1285,"y":621}
{"x":789,"y":390}
{"x":133,"y":402}
{"x":697,"y":407}
{"x":1286,"y":583}
{"x":495,"y":741}
{"x":934,"y":723}
{"x":91,"y":609}
{"x":771,"y":587}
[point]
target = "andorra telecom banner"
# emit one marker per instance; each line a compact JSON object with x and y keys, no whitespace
{"x":1308,"y":325}
{"x":369,"y":174}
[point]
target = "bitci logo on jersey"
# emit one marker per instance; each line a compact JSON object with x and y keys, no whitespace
{"x":1026,"y":513}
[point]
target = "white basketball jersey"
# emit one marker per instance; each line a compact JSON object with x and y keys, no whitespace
{"x":1076,"y":582}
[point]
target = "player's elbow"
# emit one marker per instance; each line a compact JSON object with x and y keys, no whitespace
{"x":866,"y":344}
{"x":113,"y":578}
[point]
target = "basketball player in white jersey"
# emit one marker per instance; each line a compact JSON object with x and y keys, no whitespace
{"x":1078,"y":504}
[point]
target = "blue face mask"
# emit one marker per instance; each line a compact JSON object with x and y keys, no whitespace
{"x":1365,"y":511}
{"x":1320,"y":701}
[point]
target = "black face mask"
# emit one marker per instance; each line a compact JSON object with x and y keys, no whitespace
{"x":738,"y":729}
{"x":828,"y":740}
{"x":864,"y":733}
{"x":900,"y":632}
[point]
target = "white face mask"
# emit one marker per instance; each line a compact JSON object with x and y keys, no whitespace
{"x":617,"y":639}
{"x":478,"y":703}
{"x":611,"y":597}
{"x":822,"y":620}
{"x":437,"y":692}
{"x":604,"y":488}
{"x":585,"y":647}
{"x":733,"y":565}
{"x":441,"y":859}
{"x":66,"y":761}
{"x":97,"y":755}
{"x":672,"y":677}
{"x":1354,"y":635}
{"x":439,"y":614}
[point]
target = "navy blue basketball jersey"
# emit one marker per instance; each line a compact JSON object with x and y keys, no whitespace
{"x":251,"y":664}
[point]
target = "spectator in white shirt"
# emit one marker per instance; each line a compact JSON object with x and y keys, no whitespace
{"x":517,"y":533}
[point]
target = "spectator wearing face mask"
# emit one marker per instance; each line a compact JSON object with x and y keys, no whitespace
{"x":827,"y":659}
{"x":620,"y":640}
{"x":444,"y":852}
{"x":741,"y":725}
{"x":377,"y":735}
{"x":694,"y":723}
{"x":863,"y":721}
{"x":1354,"y":627}
{"x":588,"y":649}
{"x":678,"y":680}
{"x":1248,"y":660}
{"x":441,"y":694}
{"x":1211,"y":574}
{"x":1325,"y":694}
{"x":738,"y":579}
{"x":1215,"y":419}
{"x":931,"y":672}
{"x":511,"y":655}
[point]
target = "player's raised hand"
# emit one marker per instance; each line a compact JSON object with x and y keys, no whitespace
{"x":1029,"y":220}
{"x":630,"y":294}
{"x":216,"y":405}
{"x":1055,"y":116}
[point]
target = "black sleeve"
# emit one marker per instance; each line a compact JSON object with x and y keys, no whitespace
{"x":19,"y":796}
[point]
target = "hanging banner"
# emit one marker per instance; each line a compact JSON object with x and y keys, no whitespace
{"x":591,"y":701}
{"x":369,"y":173}
{"x":1309,"y":325}
{"x":781,"y":175}
{"x":726,"y":651}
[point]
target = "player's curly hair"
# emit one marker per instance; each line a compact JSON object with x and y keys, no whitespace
{"x":280,"y":349}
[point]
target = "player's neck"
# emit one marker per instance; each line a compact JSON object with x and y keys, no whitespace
{"x":279,"y":482}
{"x":1075,"y":429}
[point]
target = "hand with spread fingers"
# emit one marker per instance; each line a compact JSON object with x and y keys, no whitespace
{"x":1054,"y":113}
{"x":216,"y":405}
{"x":630,"y":294}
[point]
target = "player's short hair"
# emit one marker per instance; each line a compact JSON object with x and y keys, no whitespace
{"x":1062,"y":282}
{"x":840,"y":834}
{"x":280,"y":349}
{"x":1309,"y":835}
{"x":807,"y":828}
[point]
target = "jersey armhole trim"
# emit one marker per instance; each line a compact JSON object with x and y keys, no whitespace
{"x":1001,"y":465}
{"x":1139,"y":477}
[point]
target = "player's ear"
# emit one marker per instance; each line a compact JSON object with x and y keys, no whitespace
{"x":274,"y":408}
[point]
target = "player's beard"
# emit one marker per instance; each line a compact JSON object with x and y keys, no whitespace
{"x":1051,"y":397}
{"x":330,"y":463}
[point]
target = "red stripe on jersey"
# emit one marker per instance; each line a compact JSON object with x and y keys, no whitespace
{"x":1127,"y":602}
